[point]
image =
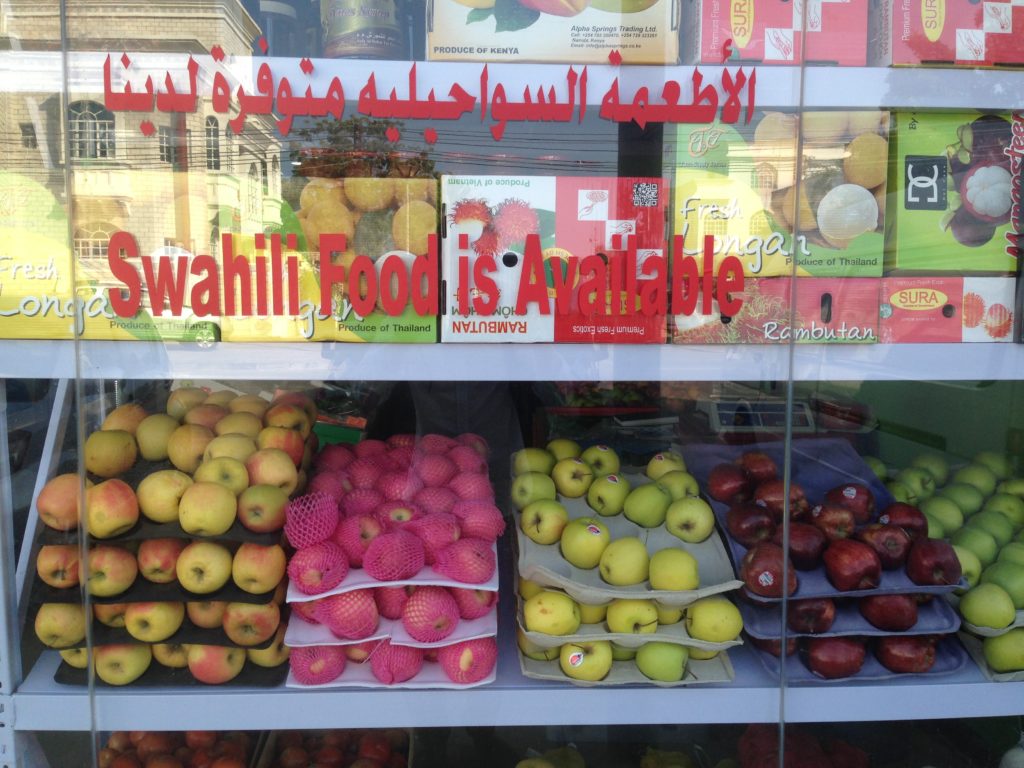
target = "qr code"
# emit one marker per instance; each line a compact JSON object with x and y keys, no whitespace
{"x":645,"y":195}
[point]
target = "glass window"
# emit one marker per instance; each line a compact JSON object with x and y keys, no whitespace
{"x":212,"y":144}
{"x":91,"y":128}
{"x":28,"y":136}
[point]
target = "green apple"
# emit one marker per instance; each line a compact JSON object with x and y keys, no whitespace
{"x":998,"y":463}
{"x":703,"y":654}
{"x":530,"y":487}
{"x":674,"y":569}
{"x":592,"y":614}
{"x":934,"y":528}
{"x":564,"y":448}
{"x":966,"y":496}
{"x":945,"y":511}
{"x":1009,"y":506}
{"x":532,"y":460}
{"x":572,"y":477}
{"x":664,"y":662}
{"x":970,"y":565}
{"x":690,"y":519}
{"x":632,"y":617}
{"x":624,"y":562}
{"x":679,"y":484}
{"x":602,"y":459}
{"x":1009,"y":576}
{"x":1005,"y":653}
{"x":918,"y":481}
{"x":713,"y":619}
{"x":607,"y":494}
{"x":988,"y":605}
{"x":551,"y":613}
{"x":590,"y":661}
{"x":533,"y":651}
{"x":668,"y":614}
{"x":583,"y":542}
{"x":877,"y":466}
{"x":979,"y":542}
{"x":1012,"y":552}
{"x":993,"y":522}
{"x":900,"y":492}
{"x":935,"y":464}
{"x":978,"y":475}
{"x":543,"y":521}
{"x":528,"y":589}
{"x":1014,"y":485}
{"x":622,"y":653}
{"x":647,"y":505}
{"x":664,"y":462}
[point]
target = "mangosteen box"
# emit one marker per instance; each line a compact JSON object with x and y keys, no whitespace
{"x":774,"y":31}
{"x":948,"y":309}
{"x":554,"y":31}
{"x":738,"y":183}
{"x":954,"y":179}
{"x":546,"y":258}
{"x":780,"y":310}
{"x":957,"y":32}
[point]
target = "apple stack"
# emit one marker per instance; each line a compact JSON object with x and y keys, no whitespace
{"x":182,"y":516}
{"x":853,"y":578}
{"x":979,"y":508}
{"x":391,"y":748}
{"x":610,"y":566}
{"x":176,"y":749}
{"x":395,"y":565}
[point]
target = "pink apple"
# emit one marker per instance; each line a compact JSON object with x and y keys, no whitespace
{"x":250,"y":623}
{"x":272,"y":466}
{"x":57,"y":565}
{"x":289,"y":416}
{"x":287,"y":440}
{"x":111,"y":570}
{"x":59,"y":501}
{"x":207,"y":614}
{"x":261,"y":508}
{"x":157,"y":559}
{"x":215,"y":664}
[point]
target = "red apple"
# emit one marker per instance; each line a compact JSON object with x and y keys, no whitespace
{"x":891,"y":613}
{"x":761,"y":570}
{"x":772,"y":494}
{"x":749,"y":523}
{"x":728,"y":483}
{"x":852,"y":565}
{"x":759,"y":466}
{"x":806,"y":545}
{"x":933,"y":561}
{"x":856,"y":497}
{"x":891,"y":542}
{"x":811,"y":616}
{"x":908,"y":517}
{"x":906,"y":653}
{"x":833,"y":657}
{"x":773,"y":645}
{"x":834,"y":521}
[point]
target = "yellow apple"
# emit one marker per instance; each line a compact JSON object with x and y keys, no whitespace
{"x":592,"y":614}
{"x":205,"y":415}
{"x":261,"y":508}
{"x":60,"y":625}
{"x":551,"y":613}
{"x":109,"y":453}
{"x":287,"y":440}
{"x":203,"y":567}
{"x":207,"y":509}
{"x":257,"y":569}
{"x":239,"y":424}
{"x":533,"y":651}
{"x":153,"y":436}
{"x":184,"y":399}
{"x":186,"y":446}
{"x":272,"y":466}
{"x":624,"y":562}
{"x":126,"y":417}
{"x":590,"y":661}
{"x":674,"y":569}
{"x":248,"y":624}
{"x":111,"y":509}
{"x":713,"y":619}
{"x":253,"y":404}
{"x":76,"y":657}
{"x":528,"y":589}
{"x":231,"y":473}
{"x":584,"y":541}
{"x":273,"y":655}
{"x":172,"y":655}
{"x":153,"y":622}
{"x":630,"y":616}
{"x":232,"y":446}
{"x":289,"y":416}
{"x":160,"y":493}
{"x":123,"y":663}
{"x":220,"y":397}
{"x":110,"y":614}
{"x":668,"y":614}
{"x":58,"y":565}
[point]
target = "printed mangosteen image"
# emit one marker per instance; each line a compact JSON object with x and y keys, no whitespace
{"x":980,"y":176}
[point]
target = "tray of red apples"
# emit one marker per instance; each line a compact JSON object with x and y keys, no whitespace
{"x":847,"y":537}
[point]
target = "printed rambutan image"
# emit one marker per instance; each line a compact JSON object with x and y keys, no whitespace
{"x":317,"y":664}
{"x":514,"y":220}
{"x":471,"y":217}
{"x":998,"y":321}
{"x":973,"y":310}
{"x":487,"y":244}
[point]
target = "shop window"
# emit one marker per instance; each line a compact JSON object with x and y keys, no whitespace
{"x":28,"y":136}
{"x":212,"y":144}
{"x":90,"y":242}
{"x":91,"y":130}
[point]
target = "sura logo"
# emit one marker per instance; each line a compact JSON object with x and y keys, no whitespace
{"x":925,"y":183}
{"x":741,"y":17}
{"x":918,"y":299}
{"x":933,"y":18}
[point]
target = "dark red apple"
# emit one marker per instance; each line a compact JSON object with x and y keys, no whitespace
{"x":933,"y":561}
{"x":891,"y":613}
{"x":856,"y":497}
{"x":749,"y":523}
{"x":772,"y":494}
{"x":852,"y":565}
{"x":759,"y":466}
{"x":833,"y":657}
{"x":891,"y":542}
{"x":906,"y":653}
{"x":761,"y":570}
{"x":834,"y":521}
{"x":906,"y":516}
{"x":811,"y":616}
{"x":773,"y":645}
{"x":729,"y":483}
{"x":806,"y":543}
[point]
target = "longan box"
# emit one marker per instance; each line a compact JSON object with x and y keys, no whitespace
{"x":953,"y":177}
{"x":642,"y":31}
{"x":385,"y":219}
{"x":738,"y":183}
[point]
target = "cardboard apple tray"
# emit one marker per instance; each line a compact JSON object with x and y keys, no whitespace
{"x":716,"y":670}
{"x":950,"y":657}
{"x":301,"y":633}
{"x":361,"y":676}
{"x":975,"y":649}
{"x":936,"y":617}
{"x":665,"y":633}
{"x":544,"y":564}
{"x":954,"y":600}
{"x":818,"y":465}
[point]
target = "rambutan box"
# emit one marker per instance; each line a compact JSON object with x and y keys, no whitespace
{"x":531,"y":240}
{"x":955,"y":180}
{"x":972,"y":33}
{"x":774,"y":31}
{"x":824,"y":311}
{"x":947,"y":309}
{"x":554,"y":31}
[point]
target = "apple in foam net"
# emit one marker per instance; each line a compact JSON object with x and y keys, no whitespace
{"x":153,"y":622}
{"x":203,"y":567}
{"x":121,"y":663}
{"x":248,"y":624}
{"x":647,"y":505}
{"x":583,"y":541}
{"x":257,"y":569}
{"x":58,"y":565}
{"x":58,"y":502}
{"x":532,"y":486}
{"x":110,"y":453}
{"x":231,"y":473}
{"x":572,"y":477}
{"x":160,"y":492}
{"x":602,"y":459}
{"x":112,"y":570}
{"x":111,"y":508}
{"x":543,"y":521}
{"x":607,"y":494}
{"x":690,"y":519}
{"x":215,"y":664}
{"x":272,"y":466}
{"x":261,"y":508}
{"x":157,"y":559}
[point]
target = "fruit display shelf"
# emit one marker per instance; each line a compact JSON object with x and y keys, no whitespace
{"x":705,"y":672}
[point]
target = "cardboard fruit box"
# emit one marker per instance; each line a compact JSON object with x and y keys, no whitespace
{"x":553,"y":31}
{"x":774,"y":31}
{"x":948,"y":32}
{"x":955,"y":181}
{"x":512,"y":240}
{"x":948,"y":309}
{"x":738,"y":183}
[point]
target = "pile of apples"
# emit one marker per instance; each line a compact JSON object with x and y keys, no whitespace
{"x":671,"y":499}
{"x":174,"y":749}
{"x":561,"y":757}
{"x":979,"y":509}
{"x":232,"y":458}
{"x":340,"y":749}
